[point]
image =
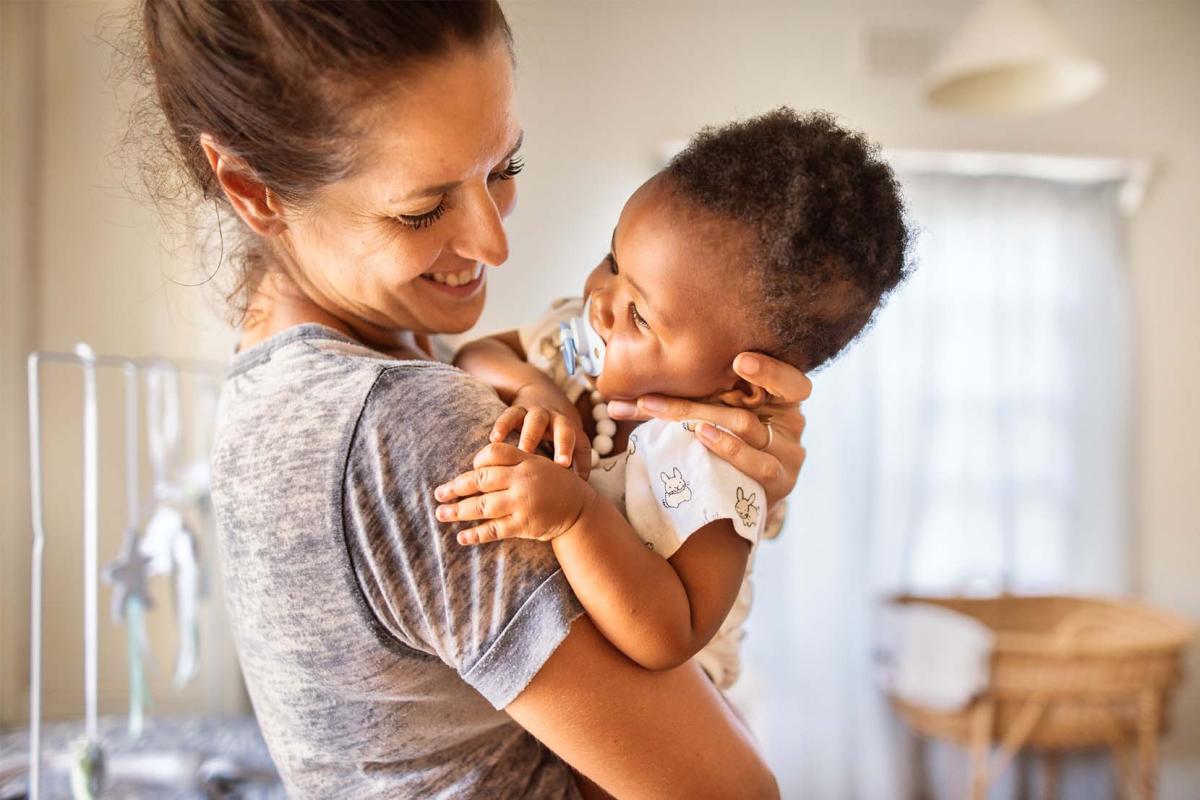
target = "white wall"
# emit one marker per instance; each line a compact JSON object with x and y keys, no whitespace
{"x":81,"y":262}
{"x":602,"y":86}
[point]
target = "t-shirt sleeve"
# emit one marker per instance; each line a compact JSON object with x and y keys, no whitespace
{"x":495,"y":612}
{"x":674,"y":486}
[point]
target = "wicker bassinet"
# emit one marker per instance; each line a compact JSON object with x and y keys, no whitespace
{"x":1067,"y":673}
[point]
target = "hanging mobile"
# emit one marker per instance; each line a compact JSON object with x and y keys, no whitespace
{"x":87,"y":767}
{"x":129,"y":571}
{"x":169,"y":542}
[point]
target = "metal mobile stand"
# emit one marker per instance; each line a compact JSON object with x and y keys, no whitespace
{"x":84,"y":358}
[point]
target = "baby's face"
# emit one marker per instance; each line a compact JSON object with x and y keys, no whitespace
{"x":670,"y":309}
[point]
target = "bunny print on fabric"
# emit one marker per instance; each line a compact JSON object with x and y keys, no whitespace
{"x":676,"y":490}
{"x":745,"y":508}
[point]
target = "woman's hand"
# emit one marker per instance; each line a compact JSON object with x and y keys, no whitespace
{"x":519,"y":495}
{"x":765,"y":442}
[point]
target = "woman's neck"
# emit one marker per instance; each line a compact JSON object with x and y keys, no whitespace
{"x":278,"y":305}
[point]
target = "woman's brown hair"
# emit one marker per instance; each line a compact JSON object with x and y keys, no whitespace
{"x":273,"y":82}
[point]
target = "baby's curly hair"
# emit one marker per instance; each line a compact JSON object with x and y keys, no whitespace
{"x":830,"y":240}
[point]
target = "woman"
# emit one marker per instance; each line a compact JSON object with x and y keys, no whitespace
{"x":369,"y":150}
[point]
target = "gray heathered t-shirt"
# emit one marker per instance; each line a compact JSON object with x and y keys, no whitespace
{"x":376,"y":649}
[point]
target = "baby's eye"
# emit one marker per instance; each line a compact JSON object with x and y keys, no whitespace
{"x":638,"y":319}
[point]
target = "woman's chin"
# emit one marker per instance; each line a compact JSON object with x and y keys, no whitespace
{"x":451,"y":309}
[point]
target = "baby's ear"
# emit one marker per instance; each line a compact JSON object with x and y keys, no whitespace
{"x":743,"y":395}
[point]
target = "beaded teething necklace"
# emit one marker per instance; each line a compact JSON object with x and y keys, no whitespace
{"x":606,"y":429}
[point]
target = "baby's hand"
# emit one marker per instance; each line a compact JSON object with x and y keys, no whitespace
{"x":543,"y":413}
{"x":520,"y":495}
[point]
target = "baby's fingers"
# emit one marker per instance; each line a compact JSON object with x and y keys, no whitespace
{"x":564,"y":440}
{"x":506,"y":423}
{"x":481,"y":506}
{"x":483,"y":479}
{"x":537,"y":419}
{"x":491,"y":531}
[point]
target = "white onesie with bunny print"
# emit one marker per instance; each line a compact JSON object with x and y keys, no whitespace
{"x":668,"y":485}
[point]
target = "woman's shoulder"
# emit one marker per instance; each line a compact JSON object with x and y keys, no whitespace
{"x":421,"y":422}
{"x":428,"y":395}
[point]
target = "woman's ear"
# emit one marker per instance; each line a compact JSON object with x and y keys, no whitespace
{"x":743,"y":395}
{"x":250,"y":198}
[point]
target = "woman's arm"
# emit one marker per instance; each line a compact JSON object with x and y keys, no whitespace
{"x":659,"y":613}
{"x":637,"y":733}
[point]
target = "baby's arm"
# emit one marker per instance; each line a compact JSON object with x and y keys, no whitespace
{"x":537,"y":407}
{"x":499,"y":361}
{"x":658,"y":612}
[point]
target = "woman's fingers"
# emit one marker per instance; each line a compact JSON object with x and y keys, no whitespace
{"x":490,"y":505}
{"x":782,"y":380}
{"x":741,"y":422}
{"x":506,"y":423}
{"x":625,"y":409}
{"x":762,"y":466}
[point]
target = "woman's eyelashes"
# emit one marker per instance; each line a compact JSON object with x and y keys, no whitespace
{"x":419,"y":221}
{"x":510,"y":171}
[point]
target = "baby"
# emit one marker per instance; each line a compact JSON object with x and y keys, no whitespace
{"x":781,"y":234}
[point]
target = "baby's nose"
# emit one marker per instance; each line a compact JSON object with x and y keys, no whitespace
{"x":601,"y":313}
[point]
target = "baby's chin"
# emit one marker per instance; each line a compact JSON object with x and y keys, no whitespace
{"x":630,"y":387}
{"x":621,"y":387}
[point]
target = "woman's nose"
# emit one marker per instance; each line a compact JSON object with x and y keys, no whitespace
{"x":481,"y":237}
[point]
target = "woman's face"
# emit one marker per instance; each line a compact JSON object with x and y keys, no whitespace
{"x":404,"y":242}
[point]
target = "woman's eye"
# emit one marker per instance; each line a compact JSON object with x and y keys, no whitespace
{"x":612,"y":263}
{"x":514,"y":167}
{"x":638,"y":319}
{"x":419,"y":221}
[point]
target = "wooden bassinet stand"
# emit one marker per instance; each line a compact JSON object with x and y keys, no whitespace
{"x":1067,"y":673}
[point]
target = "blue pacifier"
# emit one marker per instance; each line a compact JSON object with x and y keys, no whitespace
{"x":582,"y":348}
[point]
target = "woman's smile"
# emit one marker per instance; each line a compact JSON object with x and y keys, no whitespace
{"x":460,"y":284}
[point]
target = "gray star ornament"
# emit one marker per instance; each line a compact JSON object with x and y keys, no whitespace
{"x":127,"y":573}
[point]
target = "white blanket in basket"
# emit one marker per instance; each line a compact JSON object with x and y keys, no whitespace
{"x":936,"y":658}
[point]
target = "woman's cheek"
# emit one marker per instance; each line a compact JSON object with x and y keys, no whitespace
{"x":409,"y":260}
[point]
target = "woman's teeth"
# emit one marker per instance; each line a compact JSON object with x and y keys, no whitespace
{"x":460,"y":278}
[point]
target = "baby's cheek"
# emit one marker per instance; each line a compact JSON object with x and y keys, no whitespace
{"x":622,"y":377}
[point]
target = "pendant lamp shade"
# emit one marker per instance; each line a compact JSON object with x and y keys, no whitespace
{"x":1011,"y":57}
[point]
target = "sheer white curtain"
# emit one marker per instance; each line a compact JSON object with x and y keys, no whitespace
{"x":974,"y":440}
